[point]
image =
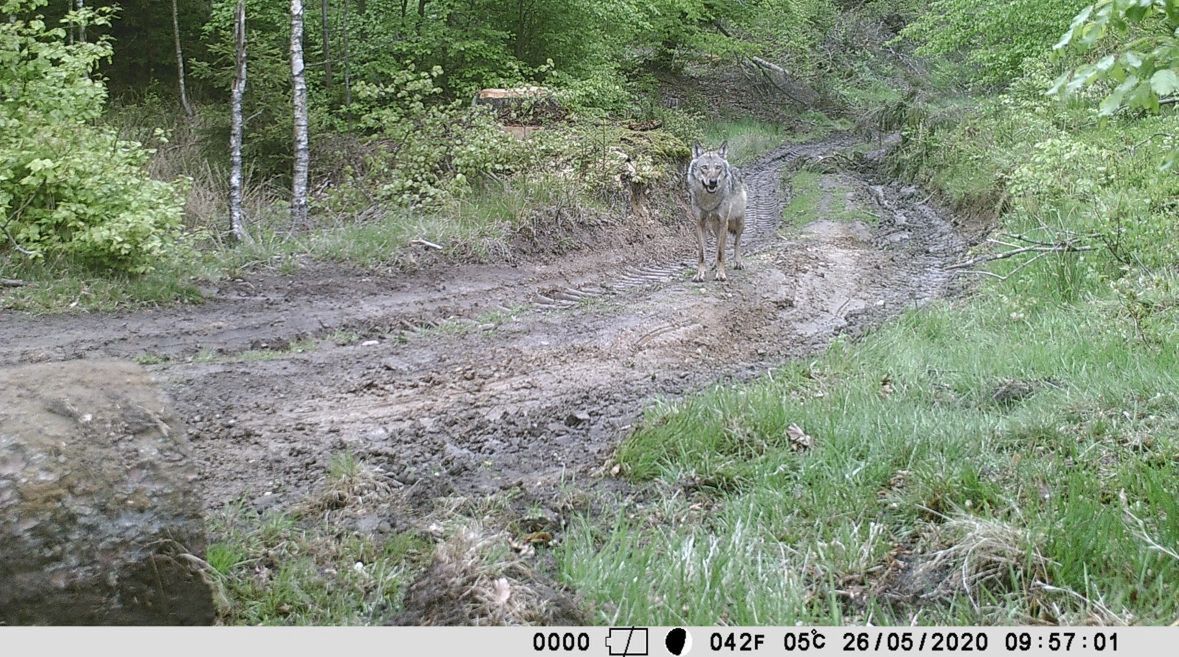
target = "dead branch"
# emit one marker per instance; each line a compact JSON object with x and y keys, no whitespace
{"x":1011,"y":273}
{"x":1059,"y":247}
{"x":12,"y":282}
{"x":16,"y":245}
{"x":1142,"y":143}
{"x":426,"y":244}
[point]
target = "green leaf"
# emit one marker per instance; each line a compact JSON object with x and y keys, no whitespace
{"x":1057,"y":87}
{"x":1064,"y":40}
{"x":1165,"y":82}
{"x":1113,"y":101}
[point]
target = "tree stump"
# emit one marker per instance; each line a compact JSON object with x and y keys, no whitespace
{"x":99,"y":522}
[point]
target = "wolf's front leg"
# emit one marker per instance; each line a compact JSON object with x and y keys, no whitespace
{"x":737,"y":263}
{"x":699,"y":277}
{"x":722,"y":236}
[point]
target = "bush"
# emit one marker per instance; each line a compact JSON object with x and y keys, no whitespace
{"x":68,"y":187}
{"x":990,"y":40}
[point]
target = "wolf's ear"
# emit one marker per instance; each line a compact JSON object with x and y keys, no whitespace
{"x":696,"y":150}
{"x":724,"y":148}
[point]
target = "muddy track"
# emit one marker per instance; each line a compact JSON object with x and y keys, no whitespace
{"x":480,"y":378}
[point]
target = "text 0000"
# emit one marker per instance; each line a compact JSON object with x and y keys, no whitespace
{"x":566,"y":641}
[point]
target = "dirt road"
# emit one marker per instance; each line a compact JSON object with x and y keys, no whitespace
{"x":475,"y":378}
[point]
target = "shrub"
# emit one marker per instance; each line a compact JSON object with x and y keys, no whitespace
{"x":990,"y":40}
{"x":68,"y":187}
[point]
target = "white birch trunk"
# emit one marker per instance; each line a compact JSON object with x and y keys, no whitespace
{"x":236,"y":224}
{"x":180,"y":63}
{"x":299,"y":97}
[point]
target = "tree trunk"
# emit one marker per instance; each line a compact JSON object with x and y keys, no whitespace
{"x":180,"y":63}
{"x":81,"y":4}
{"x":236,"y":225}
{"x":347,"y":62}
{"x":325,"y":20}
{"x":299,"y":97}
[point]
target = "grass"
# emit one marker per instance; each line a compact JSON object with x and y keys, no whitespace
{"x":311,"y":564}
{"x":815,"y":196}
{"x":748,"y":138}
{"x":909,"y":436}
{"x":300,"y":346}
{"x":476,"y":228}
{"x":64,"y":287}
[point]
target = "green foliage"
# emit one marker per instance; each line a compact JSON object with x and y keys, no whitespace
{"x":1143,"y":71}
{"x":427,"y":150}
{"x":987,"y":42}
{"x":266,"y":105}
{"x":68,"y":187}
{"x":1053,"y":168}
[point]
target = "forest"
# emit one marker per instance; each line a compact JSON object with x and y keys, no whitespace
{"x":417,"y":276}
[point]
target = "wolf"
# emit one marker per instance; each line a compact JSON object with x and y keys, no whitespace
{"x":717,"y":194}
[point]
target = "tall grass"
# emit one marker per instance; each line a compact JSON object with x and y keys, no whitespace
{"x":747,"y":138}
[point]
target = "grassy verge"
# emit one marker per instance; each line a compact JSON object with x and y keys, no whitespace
{"x":63,"y":287}
{"x":327,"y":562}
{"x":1008,"y":458}
{"x":1044,"y":428}
{"x":748,"y":138}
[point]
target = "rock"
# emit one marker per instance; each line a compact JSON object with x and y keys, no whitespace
{"x":578,"y":418}
{"x":98,"y":515}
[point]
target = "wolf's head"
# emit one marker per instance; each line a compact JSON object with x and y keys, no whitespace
{"x":709,"y":168}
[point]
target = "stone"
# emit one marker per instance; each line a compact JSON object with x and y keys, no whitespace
{"x":99,"y":520}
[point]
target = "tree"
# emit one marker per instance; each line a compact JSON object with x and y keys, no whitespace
{"x":236,"y":225}
{"x":299,"y":97}
{"x":81,"y":26}
{"x":184,"y":104}
{"x":347,"y":59}
{"x":325,"y":23}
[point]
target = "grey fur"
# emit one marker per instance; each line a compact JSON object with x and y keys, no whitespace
{"x":717,"y":194}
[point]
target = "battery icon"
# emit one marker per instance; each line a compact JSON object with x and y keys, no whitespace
{"x":624,"y":641}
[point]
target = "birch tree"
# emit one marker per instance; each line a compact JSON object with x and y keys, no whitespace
{"x":299,"y":96}
{"x":236,"y":225}
{"x":180,"y":62}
